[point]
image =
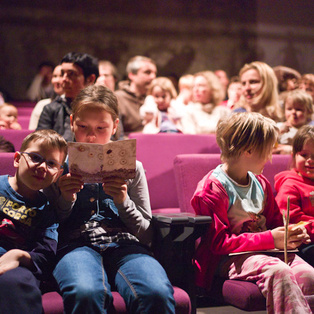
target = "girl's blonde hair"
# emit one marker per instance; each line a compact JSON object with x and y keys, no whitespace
{"x":165,"y":84}
{"x":96,"y":97}
{"x":215,"y":86}
{"x":246,"y":131}
{"x":268,"y":97}
{"x":301,"y":97}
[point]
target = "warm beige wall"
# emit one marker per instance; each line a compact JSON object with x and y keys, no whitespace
{"x":181,"y":35}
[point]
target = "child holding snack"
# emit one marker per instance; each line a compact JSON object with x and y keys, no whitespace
{"x":28,"y":229}
{"x":157,"y":111}
{"x":246,"y":219}
{"x":298,"y":184}
{"x":8,"y":117}
{"x":298,"y":112}
{"x":103,"y":236}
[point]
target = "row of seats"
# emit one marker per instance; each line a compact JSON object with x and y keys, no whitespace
{"x":174,"y":164}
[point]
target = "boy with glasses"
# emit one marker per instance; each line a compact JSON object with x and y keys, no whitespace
{"x":28,"y":228}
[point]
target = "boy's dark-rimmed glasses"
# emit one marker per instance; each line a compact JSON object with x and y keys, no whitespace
{"x":38,"y":160}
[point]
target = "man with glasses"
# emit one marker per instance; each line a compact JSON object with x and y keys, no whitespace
{"x":78,"y":71}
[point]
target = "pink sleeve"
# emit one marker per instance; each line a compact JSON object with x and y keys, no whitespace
{"x":211,"y":199}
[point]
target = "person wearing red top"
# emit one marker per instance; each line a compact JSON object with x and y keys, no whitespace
{"x":247,"y":221}
{"x":298,"y":184}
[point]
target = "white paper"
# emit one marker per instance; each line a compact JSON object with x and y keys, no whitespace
{"x":96,"y":162}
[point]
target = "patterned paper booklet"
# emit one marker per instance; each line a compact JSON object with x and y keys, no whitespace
{"x":96,"y":162}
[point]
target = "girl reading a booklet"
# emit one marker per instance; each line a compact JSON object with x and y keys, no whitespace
{"x":298,"y":184}
{"x":105,"y":227}
{"x":246,"y":219}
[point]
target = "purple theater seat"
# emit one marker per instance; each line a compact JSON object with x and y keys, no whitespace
{"x":53,"y":304}
{"x":6,"y":162}
{"x":189,"y":169}
{"x":24,"y":121}
{"x":24,"y":111}
{"x":16,"y":137}
{"x":156,"y":152}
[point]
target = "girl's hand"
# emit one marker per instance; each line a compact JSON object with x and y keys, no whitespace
{"x":279,"y":236}
{"x":296,"y":237}
{"x":69,"y":185}
{"x":13,"y":259}
{"x":117,"y":188}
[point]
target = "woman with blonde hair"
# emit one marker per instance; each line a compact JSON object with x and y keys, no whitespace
{"x":259,"y":90}
{"x":203,"y":114}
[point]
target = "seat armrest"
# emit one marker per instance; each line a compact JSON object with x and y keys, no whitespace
{"x":174,"y":246}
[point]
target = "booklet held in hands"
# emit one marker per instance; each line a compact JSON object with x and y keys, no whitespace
{"x":96,"y":162}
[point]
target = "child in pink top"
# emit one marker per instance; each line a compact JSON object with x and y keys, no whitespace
{"x":298,"y":184}
{"x":246,"y":219}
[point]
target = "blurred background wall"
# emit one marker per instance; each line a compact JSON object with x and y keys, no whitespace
{"x":182,"y":36}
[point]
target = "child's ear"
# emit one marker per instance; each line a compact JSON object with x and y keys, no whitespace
{"x":115,"y":126}
{"x":248,"y":153}
{"x":17,"y":157}
{"x":71,"y":122}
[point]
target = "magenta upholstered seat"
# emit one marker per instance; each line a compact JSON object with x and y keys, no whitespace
{"x":24,"y":111}
{"x":6,"y":164}
{"x":24,"y":121}
{"x":189,"y":170}
{"x":53,"y":304}
{"x":157,"y":152}
{"x":16,"y":137}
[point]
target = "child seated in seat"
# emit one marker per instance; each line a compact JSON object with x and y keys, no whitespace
{"x":246,"y":219}
{"x":159,"y":116}
{"x":28,"y":229}
{"x":103,"y":235}
{"x":298,"y":184}
{"x":298,"y":112}
{"x":8,"y":117}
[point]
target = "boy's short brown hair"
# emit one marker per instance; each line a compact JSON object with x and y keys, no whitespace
{"x":48,"y":138}
{"x":245,"y":131}
{"x":96,"y":96}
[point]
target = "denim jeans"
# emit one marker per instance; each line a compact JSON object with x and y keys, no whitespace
{"x":84,"y":278}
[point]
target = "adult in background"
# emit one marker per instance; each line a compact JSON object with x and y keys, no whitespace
{"x":79,"y":70}
{"x":259,"y":91}
{"x":57,"y":86}
{"x":131,"y":94}
{"x":108,"y":75}
{"x":41,"y":86}
{"x":202,"y":115}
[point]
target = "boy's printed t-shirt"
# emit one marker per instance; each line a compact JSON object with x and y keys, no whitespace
{"x":24,"y":222}
{"x":246,"y":203}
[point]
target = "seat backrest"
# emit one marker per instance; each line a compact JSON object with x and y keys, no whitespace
{"x":157,"y":152}
{"x":16,"y":137}
{"x":279,"y":163}
{"x":189,"y":169}
{"x":6,"y":164}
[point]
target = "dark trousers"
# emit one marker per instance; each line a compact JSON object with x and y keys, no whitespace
{"x":19,"y":292}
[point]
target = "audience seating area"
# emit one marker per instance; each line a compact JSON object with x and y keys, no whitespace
{"x":174,"y":164}
{"x":157,"y":152}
